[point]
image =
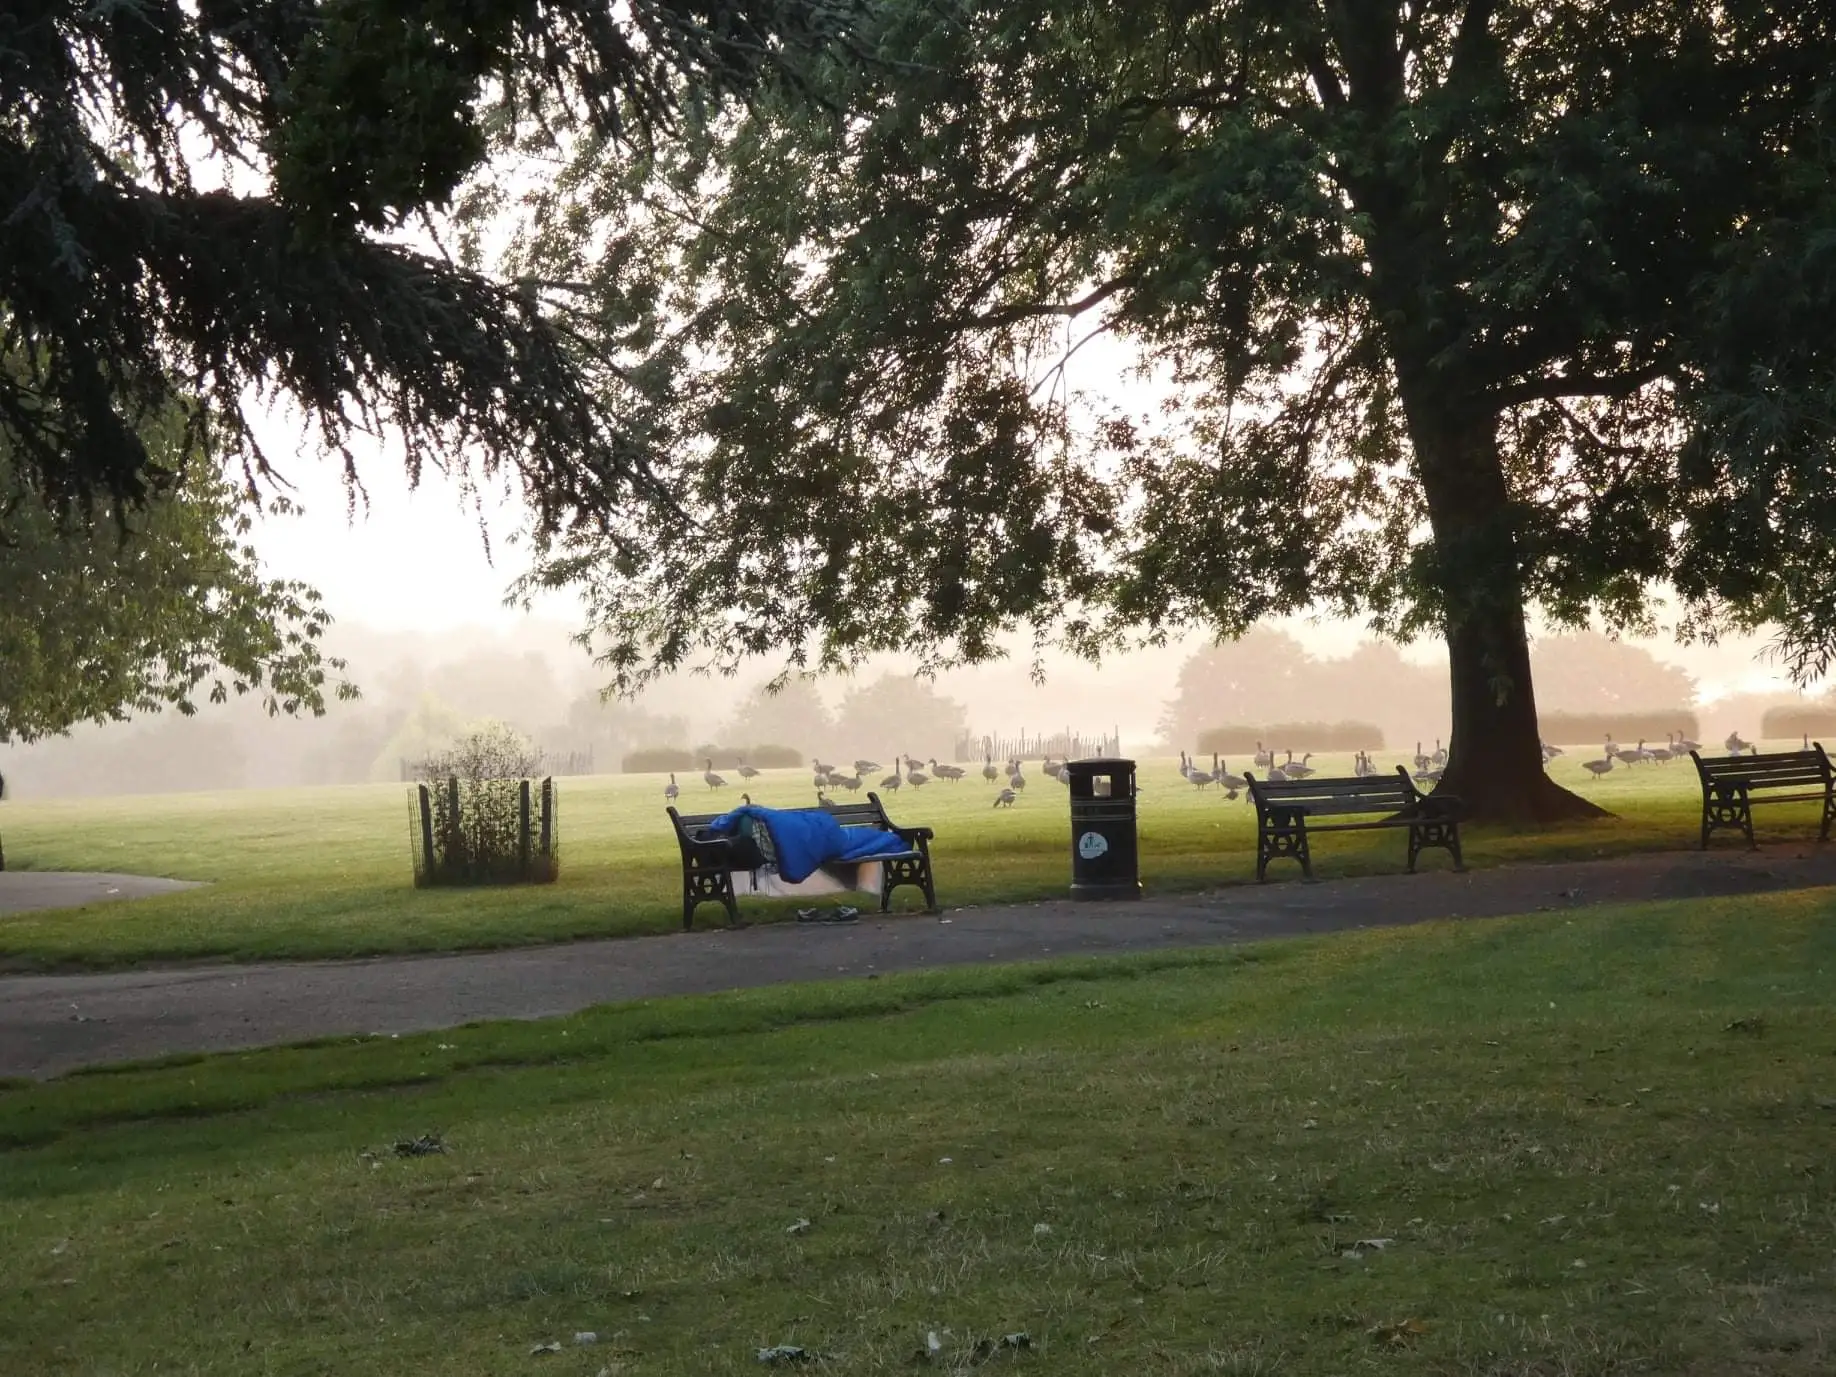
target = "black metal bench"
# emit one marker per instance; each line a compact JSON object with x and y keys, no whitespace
{"x":1732,"y":784}
{"x":709,"y":860}
{"x":1285,"y":809}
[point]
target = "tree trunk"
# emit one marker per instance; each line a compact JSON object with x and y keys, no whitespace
{"x":1495,"y":758}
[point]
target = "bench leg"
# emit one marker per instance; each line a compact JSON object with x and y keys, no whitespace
{"x":1823,"y":834}
{"x":1440,"y":833}
{"x":1283,"y":837}
{"x":1730,"y":810}
{"x":707,"y":886}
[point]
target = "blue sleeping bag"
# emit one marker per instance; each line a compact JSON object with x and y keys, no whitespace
{"x":806,"y":839}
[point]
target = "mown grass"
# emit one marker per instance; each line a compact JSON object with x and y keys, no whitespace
{"x":1594,"y":1142}
{"x":326,"y":872}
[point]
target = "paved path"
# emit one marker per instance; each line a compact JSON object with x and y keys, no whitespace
{"x":24,"y":890}
{"x":50,"y":1024}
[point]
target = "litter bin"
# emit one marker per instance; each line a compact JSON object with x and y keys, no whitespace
{"x":1104,"y":859}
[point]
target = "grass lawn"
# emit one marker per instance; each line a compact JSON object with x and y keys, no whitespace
{"x":326,"y":872}
{"x":1581,"y":1143}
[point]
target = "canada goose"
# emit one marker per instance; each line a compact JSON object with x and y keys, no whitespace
{"x":1550,"y":752}
{"x":1185,"y":766}
{"x":746,"y":799}
{"x":949,"y":772}
{"x":1734,"y":744}
{"x":1637,"y":755}
{"x":1439,"y":758}
{"x":824,"y":802}
{"x":822,"y":779}
{"x":1200,"y":778}
{"x":1005,"y":799}
{"x":852,"y":783}
{"x":1597,"y":768}
{"x":1277,"y":775}
{"x":1684,"y":745}
{"x":1610,"y":750}
{"x":866,"y":767}
{"x":989,"y":772}
{"x":1362,"y":767}
{"x":1432,"y":775}
{"x":1015,"y":780}
{"x":892,"y":781}
{"x":1264,"y":759}
{"x":820,"y":768}
{"x":670,"y":791}
{"x":1421,"y":761}
{"x":1298,"y":769}
{"x":1233,"y":784}
{"x":714,"y":780}
{"x":746,"y":771}
{"x":914,"y":776}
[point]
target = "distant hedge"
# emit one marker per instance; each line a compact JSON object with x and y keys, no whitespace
{"x":1625,"y":728}
{"x":765,"y":757}
{"x":1819,"y":724}
{"x":656,"y":759}
{"x":1292,"y":736}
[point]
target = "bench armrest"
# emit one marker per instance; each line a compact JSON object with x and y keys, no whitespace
{"x":707,"y":848}
{"x":913,"y":833}
{"x":1450,"y":806}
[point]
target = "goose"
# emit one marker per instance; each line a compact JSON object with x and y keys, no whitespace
{"x":1550,"y":752}
{"x":1432,"y":775}
{"x":714,"y":780}
{"x":1362,"y":767}
{"x":1422,"y":762}
{"x":1610,"y":750}
{"x":1297,"y":769}
{"x":989,"y":772}
{"x":1734,"y":744}
{"x":1015,"y":780}
{"x":1597,"y":768}
{"x":1200,"y":778}
{"x":1185,"y":766}
{"x":1265,"y":760}
{"x":1683,"y":745}
{"x":914,"y":776}
{"x":1052,"y":768}
{"x":866,"y":767}
{"x":1439,"y":758}
{"x":949,"y":772}
{"x":822,"y":779}
{"x":1277,"y":775}
{"x":820,"y":768}
{"x":852,"y":783}
{"x":824,"y":802}
{"x":670,"y":791}
{"x":1005,"y":799}
{"x":1638,"y":754}
{"x":893,"y":781}
{"x":746,"y":771}
{"x":1233,"y":784}
{"x":746,"y":799}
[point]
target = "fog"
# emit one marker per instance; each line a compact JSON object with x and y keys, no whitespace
{"x":420,"y":618}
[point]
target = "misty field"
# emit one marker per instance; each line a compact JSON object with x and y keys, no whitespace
{"x":1580,"y":1143}
{"x":326,"y":872}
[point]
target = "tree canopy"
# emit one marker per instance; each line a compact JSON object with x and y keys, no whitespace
{"x":1460,"y":305}
{"x":201,"y":200}
{"x":160,"y":608}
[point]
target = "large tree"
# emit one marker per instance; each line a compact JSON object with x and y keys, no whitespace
{"x":156,"y":605}
{"x":202,"y":199}
{"x":1461,"y":306}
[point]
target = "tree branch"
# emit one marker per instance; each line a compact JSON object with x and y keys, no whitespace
{"x":1013,"y":315}
{"x":1579,"y":385}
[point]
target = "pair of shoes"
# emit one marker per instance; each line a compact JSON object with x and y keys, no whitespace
{"x":845,"y":914}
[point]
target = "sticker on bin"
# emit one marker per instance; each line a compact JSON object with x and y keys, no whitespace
{"x":1091,"y":845}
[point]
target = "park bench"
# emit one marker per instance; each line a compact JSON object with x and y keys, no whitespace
{"x":709,"y":861}
{"x":1286,"y":809}
{"x":1732,"y":784}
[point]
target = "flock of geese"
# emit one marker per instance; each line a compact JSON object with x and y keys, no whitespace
{"x":905,"y":772}
{"x":1428,"y":769}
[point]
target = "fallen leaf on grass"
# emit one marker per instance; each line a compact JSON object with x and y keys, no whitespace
{"x":802,"y":1226}
{"x":553,"y":1346}
{"x":1400,"y":1334}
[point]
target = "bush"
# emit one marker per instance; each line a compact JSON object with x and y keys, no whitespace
{"x":1624,"y":728}
{"x":1294,"y":736}
{"x":656,"y":759}
{"x":476,"y":818}
{"x":1795,"y":724}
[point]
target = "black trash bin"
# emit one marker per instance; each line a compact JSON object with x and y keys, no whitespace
{"x":1105,"y":863}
